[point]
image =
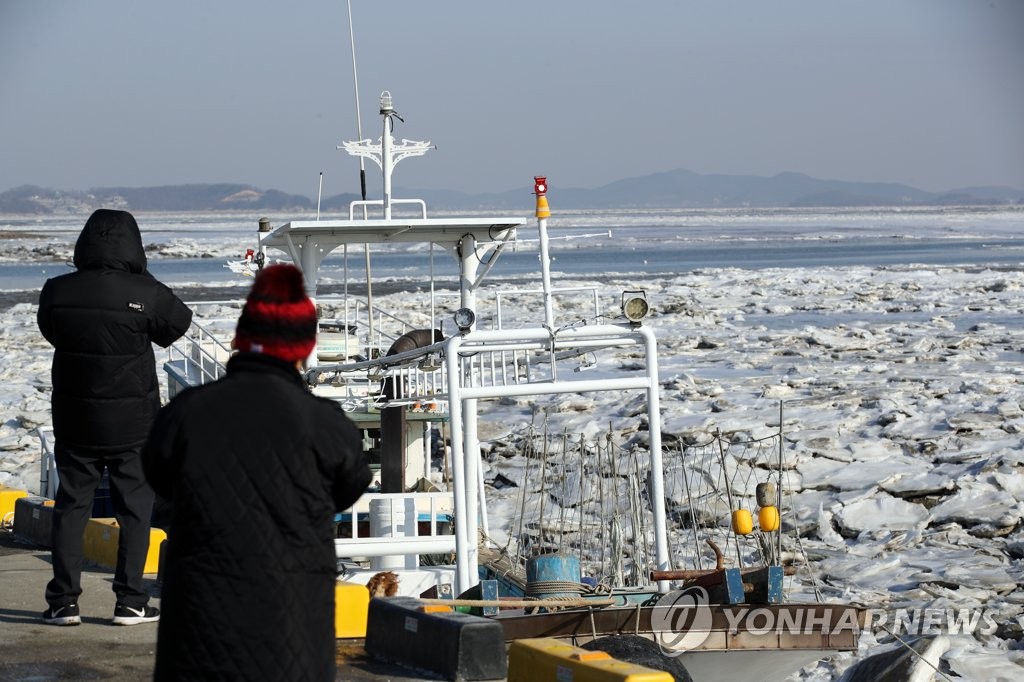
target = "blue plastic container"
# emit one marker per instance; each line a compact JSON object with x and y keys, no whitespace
{"x":553,"y":575}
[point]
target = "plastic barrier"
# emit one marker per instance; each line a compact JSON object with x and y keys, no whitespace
{"x":33,"y":519}
{"x":435,"y":639}
{"x":100,"y":544}
{"x":8,"y":498}
{"x":538,"y":660}
{"x":351,"y":609}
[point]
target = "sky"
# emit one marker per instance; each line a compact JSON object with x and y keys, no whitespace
{"x":928,"y":93}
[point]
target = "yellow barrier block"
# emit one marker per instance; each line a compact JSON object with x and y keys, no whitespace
{"x":351,"y":609}
{"x":435,"y":608}
{"x":8,"y":496}
{"x":590,"y":656}
{"x":537,"y":660}
{"x":100,"y":544}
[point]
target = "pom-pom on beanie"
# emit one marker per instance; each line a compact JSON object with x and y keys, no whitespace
{"x":278,"y":318}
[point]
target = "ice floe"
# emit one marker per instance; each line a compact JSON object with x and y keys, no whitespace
{"x":901,"y":394}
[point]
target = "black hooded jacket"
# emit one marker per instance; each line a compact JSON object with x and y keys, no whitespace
{"x":102,"y":321}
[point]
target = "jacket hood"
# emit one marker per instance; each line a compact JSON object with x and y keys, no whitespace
{"x":110,"y":239}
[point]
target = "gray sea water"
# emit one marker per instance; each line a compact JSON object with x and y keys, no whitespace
{"x":639,"y":243}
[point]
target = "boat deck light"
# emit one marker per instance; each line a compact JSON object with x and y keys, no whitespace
{"x":634,"y":305}
{"x":464,"y":319}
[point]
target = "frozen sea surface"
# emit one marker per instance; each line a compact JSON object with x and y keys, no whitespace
{"x":901,"y":387}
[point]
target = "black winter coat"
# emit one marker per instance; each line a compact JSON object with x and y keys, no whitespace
{"x":255,"y":467}
{"x":102,"y":321}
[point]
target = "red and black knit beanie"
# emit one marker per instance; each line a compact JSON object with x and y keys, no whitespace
{"x":278,"y":318}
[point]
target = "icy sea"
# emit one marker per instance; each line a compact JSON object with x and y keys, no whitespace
{"x":891,"y":338}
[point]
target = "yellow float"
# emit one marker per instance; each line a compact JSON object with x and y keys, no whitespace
{"x":768,"y":518}
{"x":742,"y":522}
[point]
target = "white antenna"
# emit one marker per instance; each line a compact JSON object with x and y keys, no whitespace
{"x":319,"y":194}
{"x":359,"y":120}
{"x":362,"y":173}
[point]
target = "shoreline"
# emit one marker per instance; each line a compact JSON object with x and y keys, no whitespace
{"x":205,"y":293}
{"x":202,"y":293}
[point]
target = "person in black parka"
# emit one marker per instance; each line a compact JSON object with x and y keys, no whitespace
{"x":255,"y":467}
{"x":102,"y":321}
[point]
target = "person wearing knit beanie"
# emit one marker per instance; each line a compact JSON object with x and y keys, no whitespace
{"x":278,"y":319}
{"x":256,"y":467}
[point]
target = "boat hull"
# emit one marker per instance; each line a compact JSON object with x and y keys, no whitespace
{"x":723,"y":642}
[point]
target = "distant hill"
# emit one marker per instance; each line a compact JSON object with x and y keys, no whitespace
{"x":671,"y":189}
{"x":685,"y":189}
{"x":198,"y":197}
{"x":31,"y":199}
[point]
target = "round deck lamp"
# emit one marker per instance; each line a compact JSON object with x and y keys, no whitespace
{"x":635,"y":306}
{"x":464,"y":319}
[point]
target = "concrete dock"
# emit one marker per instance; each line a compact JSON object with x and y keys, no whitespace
{"x":97,"y":650}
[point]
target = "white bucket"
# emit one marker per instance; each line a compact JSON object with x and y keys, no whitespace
{"x":393,"y":518}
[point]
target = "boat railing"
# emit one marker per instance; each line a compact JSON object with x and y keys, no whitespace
{"x":585,"y":301}
{"x":400,"y":526}
{"x":199,"y":357}
{"x":356,"y":314}
{"x":364,"y":378}
{"x":380,"y":202}
{"x":498,"y":358}
{"x":501,"y":297}
{"x":48,"y":479}
{"x":506,"y":358}
{"x":400,"y":379}
{"x":387,"y":327}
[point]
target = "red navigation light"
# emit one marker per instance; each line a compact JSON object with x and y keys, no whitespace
{"x":540,"y":184}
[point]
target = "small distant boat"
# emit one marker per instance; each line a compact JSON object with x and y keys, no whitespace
{"x":246,"y":266}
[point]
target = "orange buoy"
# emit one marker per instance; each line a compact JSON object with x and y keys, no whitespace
{"x":742,"y":522}
{"x":768,"y":518}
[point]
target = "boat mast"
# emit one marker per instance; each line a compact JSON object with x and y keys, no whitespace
{"x":385,"y":153}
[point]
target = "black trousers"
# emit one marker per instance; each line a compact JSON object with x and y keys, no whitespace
{"x":80,"y":472}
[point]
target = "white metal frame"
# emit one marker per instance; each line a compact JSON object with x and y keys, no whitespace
{"x":466,"y":387}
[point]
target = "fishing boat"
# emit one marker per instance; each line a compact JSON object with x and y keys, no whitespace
{"x":602,"y":534}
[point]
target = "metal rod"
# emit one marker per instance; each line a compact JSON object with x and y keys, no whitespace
{"x":319,"y":195}
{"x":728,"y":494}
{"x":355,"y":83}
{"x":689,"y":499}
{"x":362,"y":162}
{"x":779,"y":493}
{"x":545,"y":269}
